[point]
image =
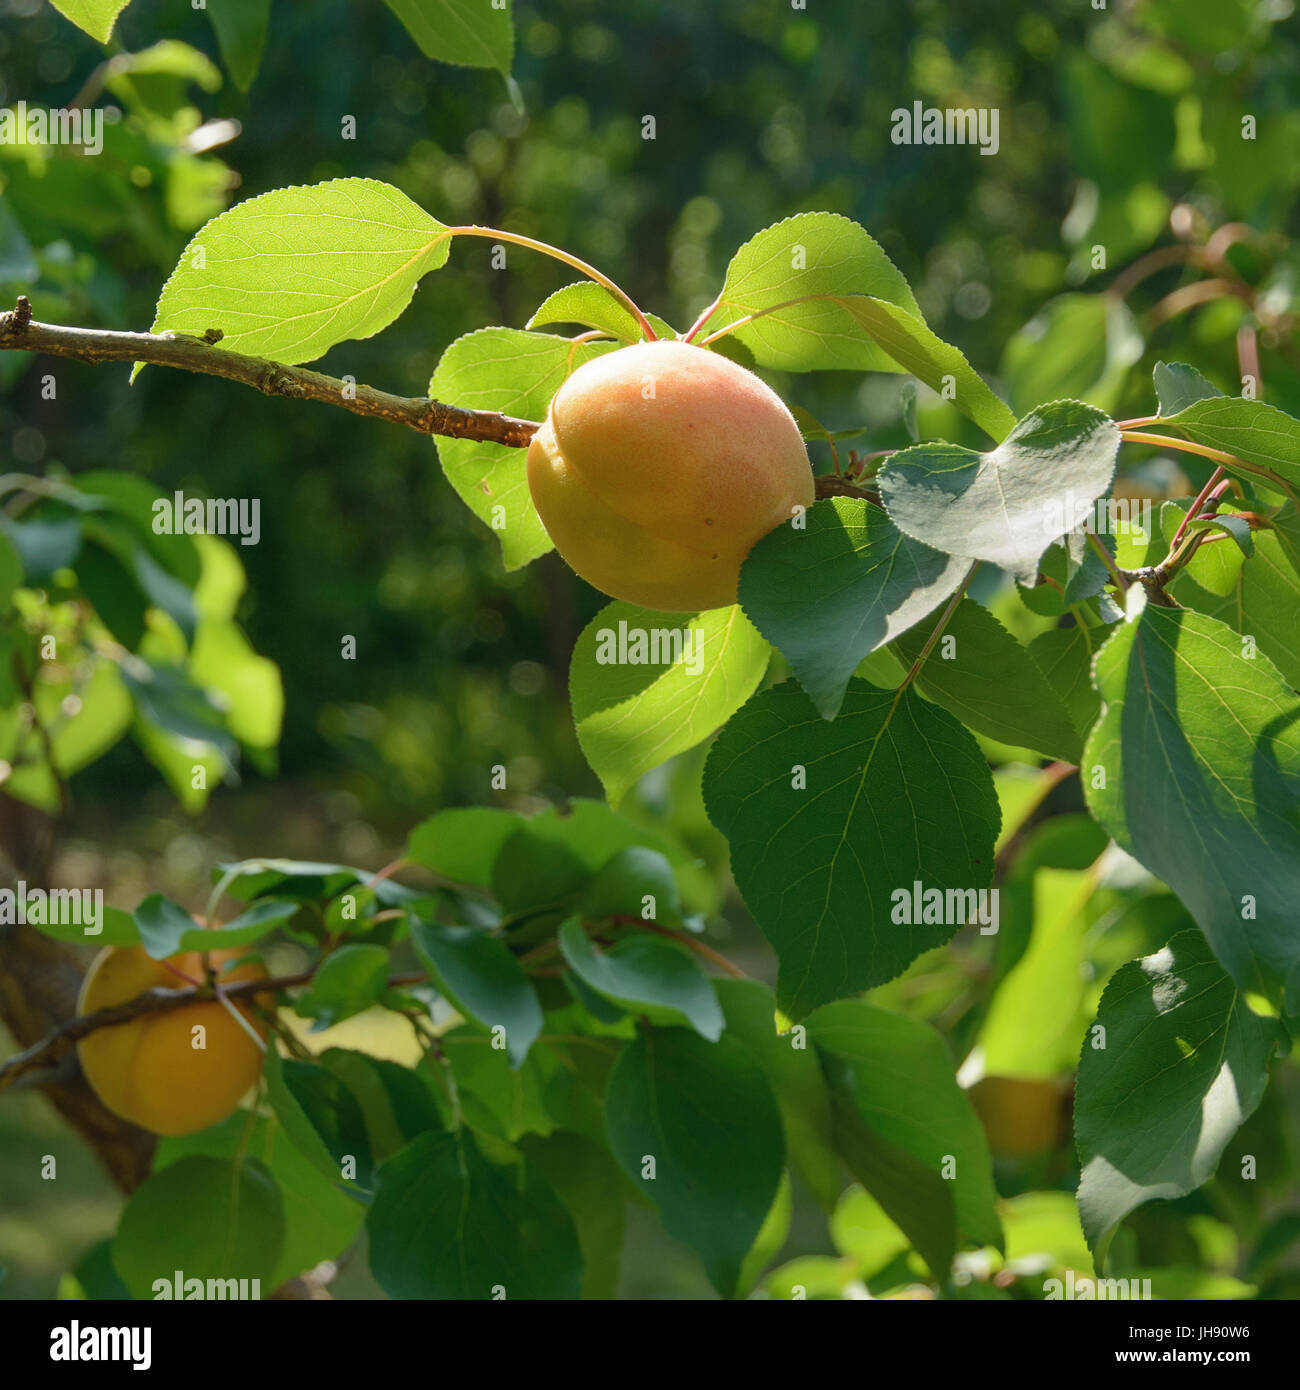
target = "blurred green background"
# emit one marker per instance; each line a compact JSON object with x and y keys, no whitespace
{"x":1109,"y":122}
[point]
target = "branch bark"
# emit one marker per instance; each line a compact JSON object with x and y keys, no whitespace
{"x":19,"y":332}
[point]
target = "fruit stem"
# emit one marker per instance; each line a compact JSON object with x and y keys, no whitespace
{"x":532,"y":244}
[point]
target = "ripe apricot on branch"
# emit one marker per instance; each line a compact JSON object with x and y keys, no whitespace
{"x":657,"y":469}
{"x":150,"y":1070}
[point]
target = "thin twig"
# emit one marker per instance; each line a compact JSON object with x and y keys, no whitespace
{"x":56,"y":1044}
{"x":19,"y":332}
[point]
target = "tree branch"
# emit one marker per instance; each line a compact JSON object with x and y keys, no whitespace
{"x":19,"y":332}
{"x":55,"y":1045}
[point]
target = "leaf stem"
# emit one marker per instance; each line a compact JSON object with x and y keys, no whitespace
{"x":1218,"y":455}
{"x":703,"y":318}
{"x":1194,"y":510}
{"x":590,"y":271}
{"x":930,"y":641}
{"x":1107,"y":559}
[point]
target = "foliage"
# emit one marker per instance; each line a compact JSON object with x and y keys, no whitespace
{"x":916,"y":669}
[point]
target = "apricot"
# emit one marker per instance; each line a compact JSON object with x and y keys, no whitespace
{"x":657,"y":469}
{"x":1021,"y":1115}
{"x":149,"y":1070}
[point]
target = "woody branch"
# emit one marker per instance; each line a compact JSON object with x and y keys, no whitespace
{"x":19,"y":332}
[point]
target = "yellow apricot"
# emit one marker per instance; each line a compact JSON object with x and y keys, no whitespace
{"x":657,"y":469}
{"x":1020,"y":1115}
{"x":150,"y":1070}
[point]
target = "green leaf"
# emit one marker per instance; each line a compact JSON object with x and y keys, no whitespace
{"x":161,"y":924}
{"x":1007,"y":505}
{"x":1036,"y":1020}
{"x":1184,"y":1062}
{"x":212,"y":1218}
{"x":347,"y":981}
{"x":116,"y":928}
{"x":902,"y":1080}
{"x":483,"y":980}
{"x":551,"y":857}
{"x":1261,"y":435}
{"x":861,"y":1229}
{"x":587,"y":1180}
{"x":1044,"y":1223}
{"x":908,"y":1189}
{"x":448,"y":1224}
{"x":1079,"y":346}
{"x":632,"y":716}
{"x":397,"y":1102}
{"x":1215,"y":568}
{"x":813,"y":254}
{"x":95,"y":17}
{"x":1198,"y":753}
{"x":1064,"y":655}
{"x":891,"y":793}
{"x":241,"y":27}
{"x":320,"y":1220}
{"x":635,"y":882}
{"x":795,"y":1075}
{"x":846,"y":581}
{"x":323,"y":1118}
{"x":695,"y":1127}
{"x":648,"y":975}
{"x":517,"y":373}
{"x":462,"y":844}
{"x":99,"y":718}
{"x":1266,"y":597}
{"x":496,"y":1097}
{"x":992,"y":684}
{"x":224,"y":663}
{"x":593,"y":306}
{"x":771,"y":1238}
{"x":469,"y":33}
{"x":291,"y":273}
{"x":1178,"y":386}
{"x":167,"y":699}
{"x":44,"y":544}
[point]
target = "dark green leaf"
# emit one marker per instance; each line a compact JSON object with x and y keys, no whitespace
{"x":448,"y":1224}
{"x":695,"y":1127}
{"x":346,"y":982}
{"x":1177,"y":1061}
{"x":831,"y":824}
{"x":646,"y":974}
{"x":211,"y":1218}
{"x":794,"y":1072}
{"x":1194,"y":769}
{"x":902,"y":1081}
{"x":992,"y":684}
{"x":829,"y":592}
{"x":483,"y":979}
